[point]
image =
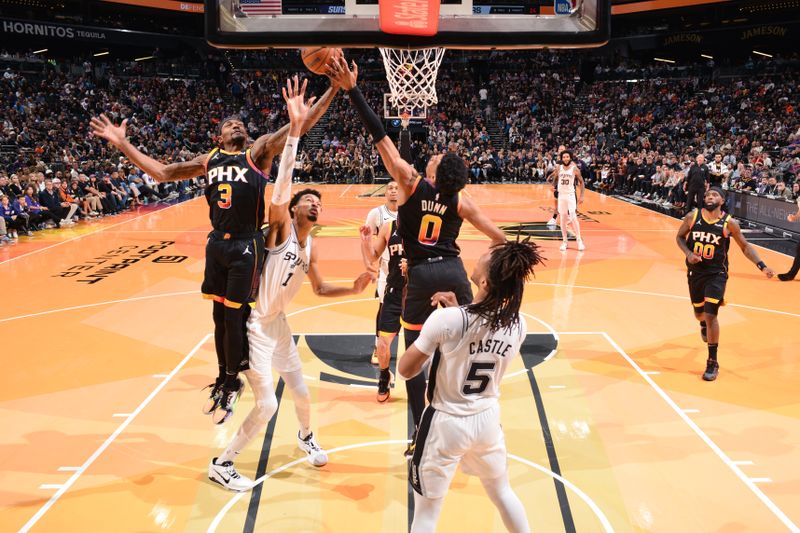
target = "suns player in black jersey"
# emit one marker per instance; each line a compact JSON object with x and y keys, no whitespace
{"x":704,"y":237}
{"x":235,"y":188}
{"x":430,"y":213}
{"x":372,"y":249}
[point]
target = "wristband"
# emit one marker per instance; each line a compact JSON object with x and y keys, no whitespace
{"x":761,"y":265}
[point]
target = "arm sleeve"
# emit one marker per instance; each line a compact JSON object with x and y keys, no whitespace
{"x":282,"y":192}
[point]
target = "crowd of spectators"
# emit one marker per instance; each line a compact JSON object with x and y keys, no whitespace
{"x":632,"y":136}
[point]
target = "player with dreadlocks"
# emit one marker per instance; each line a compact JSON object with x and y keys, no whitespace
{"x":461,"y":424}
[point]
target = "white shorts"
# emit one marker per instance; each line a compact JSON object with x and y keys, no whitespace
{"x":567,"y":203}
{"x":443,"y":441}
{"x":272,"y":345}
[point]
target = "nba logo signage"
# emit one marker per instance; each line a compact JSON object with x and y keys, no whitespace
{"x":563,"y":7}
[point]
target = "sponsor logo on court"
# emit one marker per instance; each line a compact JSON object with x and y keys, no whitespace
{"x":104,"y":266}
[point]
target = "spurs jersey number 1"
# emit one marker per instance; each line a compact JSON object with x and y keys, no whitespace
{"x":465,"y":374}
{"x":284,"y":273}
{"x":235,"y":192}
{"x":709,"y":240}
{"x":566,"y":179}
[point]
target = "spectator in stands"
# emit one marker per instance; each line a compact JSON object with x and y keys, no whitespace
{"x":39,"y":215}
{"x":14,"y":217}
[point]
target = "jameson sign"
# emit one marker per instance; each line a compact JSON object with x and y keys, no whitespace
{"x":47,"y":31}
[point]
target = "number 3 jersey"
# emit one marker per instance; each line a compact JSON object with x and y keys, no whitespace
{"x":284,"y":273}
{"x":235,"y":191}
{"x":429,"y":223}
{"x":710,"y":240}
{"x":465,"y":374}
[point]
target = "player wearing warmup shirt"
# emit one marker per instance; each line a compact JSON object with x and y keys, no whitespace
{"x":236,"y":178}
{"x":373,"y":249}
{"x":290,"y":258}
{"x":376,"y":218}
{"x":471,"y":347}
{"x":704,"y":237}
{"x":567,"y":175}
{"x":429,"y":218}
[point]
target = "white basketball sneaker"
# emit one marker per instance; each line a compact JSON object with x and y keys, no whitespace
{"x":316,"y":455}
{"x":563,"y":246}
{"x":581,"y":246}
{"x":226,"y":475}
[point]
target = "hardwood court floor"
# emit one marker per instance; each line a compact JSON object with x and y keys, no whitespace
{"x":103,"y":371}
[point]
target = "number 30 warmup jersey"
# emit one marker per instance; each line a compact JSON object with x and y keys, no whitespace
{"x":566,"y":179}
{"x":284,"y":272}
{"x":235,"y":192}
{"x":429,"y":223}
{"x":709,"y":240}
{"x":465,"y":375}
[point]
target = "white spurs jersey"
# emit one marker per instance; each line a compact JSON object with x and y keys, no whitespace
{"x":465,"y":376}
{"x":284,"y":272}
{"x":376,"y":218}
{"x":566,"y":179}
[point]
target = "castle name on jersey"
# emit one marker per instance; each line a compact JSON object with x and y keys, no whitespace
{"x":704,"y":236}
{"x":495,"y":346}
{"x":227,"y":174}
{"x":291,"y":256}
{"x":433,"y":207}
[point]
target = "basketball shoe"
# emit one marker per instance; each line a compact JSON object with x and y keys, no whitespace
{"x":712,"y":370}
{"x":316,"y":455}
{"x":226,"y":475}
{"x":228,"y":398}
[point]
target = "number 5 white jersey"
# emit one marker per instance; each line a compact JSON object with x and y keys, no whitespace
{"x":465,"y":376}
{"x":285,"y":269}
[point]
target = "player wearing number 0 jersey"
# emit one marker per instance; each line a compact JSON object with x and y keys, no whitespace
{"x":470,"y":348}
{"x":234,"y":252}
{"x":290,"y":258}
{"x":376,"y":218}
{"x":429,"y":219}
{"x":704,"y":237}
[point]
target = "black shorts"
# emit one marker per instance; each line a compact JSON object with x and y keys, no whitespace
{"x":707,"y":291}
{"x":391,"y":309}
{"x":426,"y":278}
{"x":233,"y":269}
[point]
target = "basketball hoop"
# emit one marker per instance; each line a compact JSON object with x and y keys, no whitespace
{"x":405,"y":119}
{"x":412,"y":77}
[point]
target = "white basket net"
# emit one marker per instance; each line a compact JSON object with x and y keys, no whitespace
{"x":412,"y":76}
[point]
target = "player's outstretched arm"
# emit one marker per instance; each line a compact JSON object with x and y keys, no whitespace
{"x":117,"y":135}
{"x":267,"y":146}
{"x":680,"y":238}
{"x":748,"y":249}
{"x":322,"y":288}
{"x":473,"y":214}
{"x":298,"y":108}
{"x":401,"y":172}
{"x":373,"y":246}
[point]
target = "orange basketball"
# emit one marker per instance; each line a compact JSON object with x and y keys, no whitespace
{"x":317,"y":59}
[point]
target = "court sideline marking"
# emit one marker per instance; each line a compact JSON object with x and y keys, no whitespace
{"x":101,"y":230}
{"x":74,"y":477}
{"x":705,"y":438}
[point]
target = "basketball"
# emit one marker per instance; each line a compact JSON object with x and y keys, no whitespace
{"x":317,"y":59}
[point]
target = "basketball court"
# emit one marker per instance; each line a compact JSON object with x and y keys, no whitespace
{"x":107,"y":346}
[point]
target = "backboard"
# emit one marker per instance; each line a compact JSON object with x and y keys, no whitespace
{"x":463,"y":24}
